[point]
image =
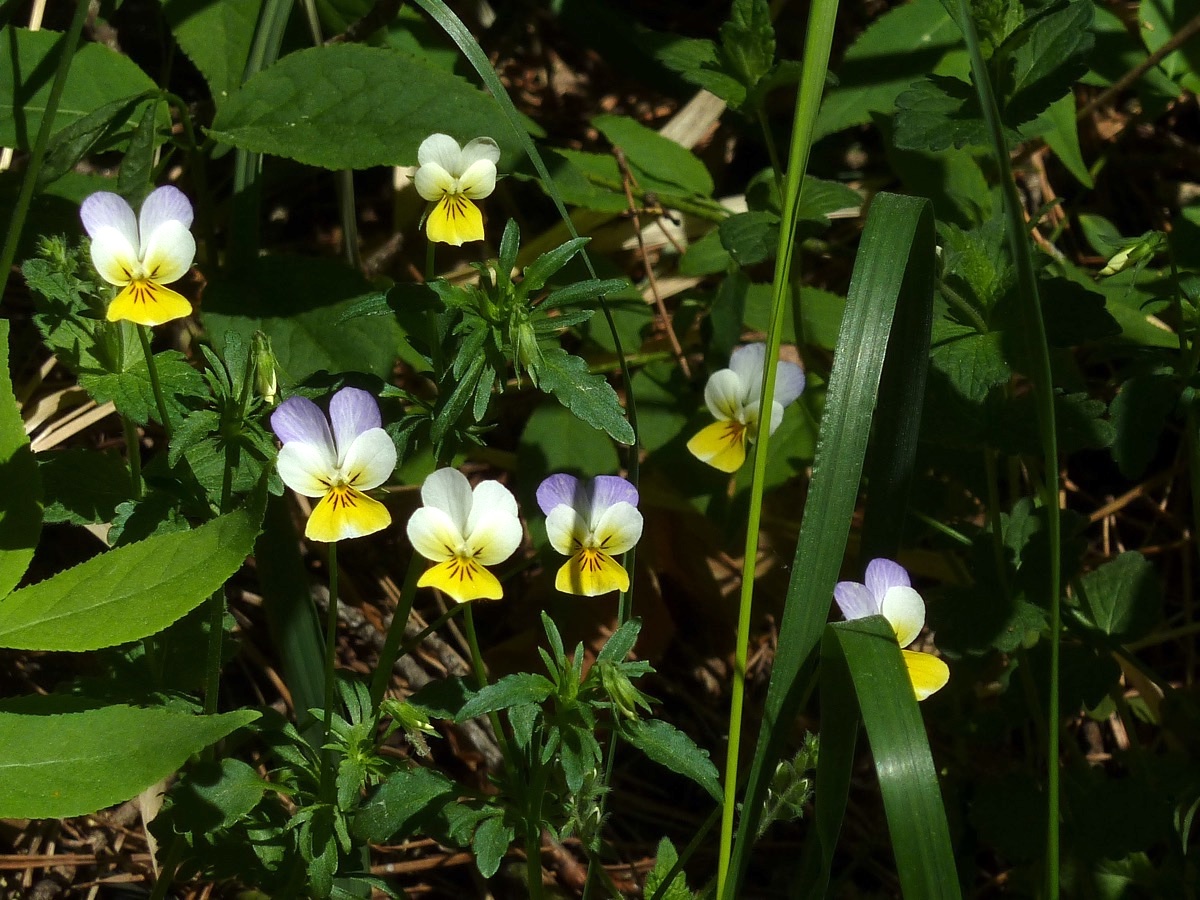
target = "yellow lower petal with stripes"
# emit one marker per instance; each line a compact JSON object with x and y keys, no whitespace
{"x":454,"y":220}
{"x":463,"y":579}
{"x":590,"y":573}
{"x":148,"y":303}
{"x":927,"y":673}
{"x":346,"y":513}
{"x":722,"y":445}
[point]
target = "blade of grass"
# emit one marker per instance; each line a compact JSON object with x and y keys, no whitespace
{"x":898,"y":238}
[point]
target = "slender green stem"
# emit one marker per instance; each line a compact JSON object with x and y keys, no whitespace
{"x":16,"y":219}
{"x":533,"y":828}
{"x":963,"y":306}
{"x":166,"y":872}
{"x":216,"y":637}
{"x":772,"y":152}
{"x":391,"y":644}
{"x":331,"y":623}
{"x":481,"y":681}
{"x":1034,"y":330}
{"x":133,"y":449}
{"x":155,"y":385}
{"x":818,"y":41}
{"x":430,"y":266}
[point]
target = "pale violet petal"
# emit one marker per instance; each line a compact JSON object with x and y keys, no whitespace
{"x":723,"y":395}
{"x":854,"y":600}
{"x":442,"y":150}
{"x":789,"y":382}
{"x":607,"y":491}
{"x":370,"y":459}
{"x":480,"y":148}
{"x":560,"y":489}
{"x":433,"y":182}
{"x":495,"y":535}
{"x":305,"y":469}
{"x":108,"y":210}
{"x":299,"y":419}
{"x":352,"y":411}
{"x":448,"y":490}
{"x":168,"y":252}
{"x":749,"y":362}
{"x":479,"y":180}
{"x":905,"y":610}
{"x":883,"y":574}
{"x":567,"y":529}
{"x":165,"y":204}
{"x":433,"y":534}
{"x":619,"y":529}
{"x":113,"y":256}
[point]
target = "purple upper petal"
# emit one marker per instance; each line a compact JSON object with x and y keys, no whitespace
{"x":883,"y":574}
{"x":106,"y":209}
{"x":165,"y":204}
{"x":559,"y":490}
{"x":352,"y":411}
{"x":854,"y":600}
{"x":609,"y":490}
{"x":789,"y":382}
{"x":299,"y":419}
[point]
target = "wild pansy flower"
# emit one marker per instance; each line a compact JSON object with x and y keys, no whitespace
{"x":336,"y":465}
{"x":889,"y":593}
{"x":733,"y":396}
{"x":452,"y":177}
{"x":141,"y":255}
{"x":591,"y":523}
{"x":463,"y":530}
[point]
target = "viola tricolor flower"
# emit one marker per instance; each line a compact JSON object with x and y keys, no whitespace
{"x":889,"y":593}
{"x":591,"y":523}
{"x":733,"y":397}
{"x":451,"y":177}
{"x":463,"y":530}
{"x":141,"y":255}
{"x":336,"y":465}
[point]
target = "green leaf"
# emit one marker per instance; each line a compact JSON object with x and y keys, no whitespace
{"x":70,"y":144}
{"x":1063,"y":138}
{"x":973,"y":363}
{"x":938,"y":112}
{"x":583,"y":291}
{"x":664,"y":860}
{"x":83,"y":486}
{"x":380,"y":103}
{"x":1139,"y":414}
{"x":1124,"y":596}
{"x":1038,"y":62}
{"x":390,"y":811}
{"x":98,"y":76}
{"x":541,"y":269}
{"x":748,"y":42}
{"x":130,"y":592}
{"x":216,"y":37}
{"x":299,"y":303}
{"x":214,"y":795}
{"x":588,"y":396}
{"x":137,"y":168}
{"x":76,"y":763}
{"x":131,"y":390}
{"x":650,"y":153}
{"x":21,"y":511}
{"x":511,"y":690}
{"x":706,"y":256}
{"x":668,"y":746}
{"x":750,"y":237}
{"x":490,"y":843}
{"x":619,"y":646}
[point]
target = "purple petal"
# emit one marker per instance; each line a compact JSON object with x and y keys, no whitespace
{"x":789,"y":382}
{"x":854,"y":600}
{"x":108,"y":210}
{"x":299,"y":419}
{"x":352,"y":411}
{"x":165,"y":204}
{"x":560,"y":490}
{"x":883,"y":574}
{"x":609,"y":490}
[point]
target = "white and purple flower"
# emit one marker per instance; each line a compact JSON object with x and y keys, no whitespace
{"x":452,"y":178}
{"x":592,"y":523}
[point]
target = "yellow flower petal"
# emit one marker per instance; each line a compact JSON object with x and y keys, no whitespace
{"x":927,"y":673}
{"x":147,"y":303}
{"x":463,"y":579}
{"x":454,"y":220}
{"x":590,"y":573}
{"x":345,"y":513}
{"x":722,"y":445}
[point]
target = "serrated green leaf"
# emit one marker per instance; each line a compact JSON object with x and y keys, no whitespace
{"x":588,"y":396}
{"x":664,"y":860}
{"x":619,"y":645}
{"x":650,"y":153}
{"x":381,"y":104}
{"x":937,"y":113}
{"x":214,"y":795}
{"x":1124,"y":596}
{"x":973,"y":363}
{"x":511,"y":690}
{"x":132,"y":392}
{"x":490,"y":843}
{"x":216,"y":37}
{"x":1038,"y":62}
{"x":130,"y":592}
{"x":554,"y":440}
{"x":70,"y":144}
{"x":76,"y":763}
{"x":750,"y":237}
{"x":1139,"y":414}
{"x":695,"y":60}
{"x":137,"y":168}
{"x":21,"y":511}
{"x":389,"y":812}
{"x":666,"y":745}
{"x":541,"y":269}
{"x":83,"y":486}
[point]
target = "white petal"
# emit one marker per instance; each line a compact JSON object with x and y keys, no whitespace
{"x":442,"y":150}
{"x":480,"y":148}
{"x":113,"y":256}
{"x":489,"y":497}
{"x":905,"y":610}
{"x":351,"y":412}
{"x":433,"y":535}
{"x":789,"y":382}
{"x":433,"y":182}
{"x":776,"y":415}
{"x":567,"y":530}
{"x":883,"y":574}
{"x":495,"y":535}
{"x":478,"y":180}
{"x":306,"y":469}
{"x":854,"y":600}
{"x":448,"y":490}
{"x":370,"y":459}
{"x":723,"y":395}
{"x":108,"y":210}
{"x":749,"y":362}
{"x":165,"y":204}
{"x":168,"y":252}
{"x":620,"y":528}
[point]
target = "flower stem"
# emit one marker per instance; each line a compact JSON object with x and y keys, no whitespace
{"x":133,"y":449}
{"x":331,"y":621}
{"x":391,"y":644}
{"x":155,"y":385}
{"x":481,"y":680}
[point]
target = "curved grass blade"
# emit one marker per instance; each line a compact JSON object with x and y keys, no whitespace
{"x":898,"y":238}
